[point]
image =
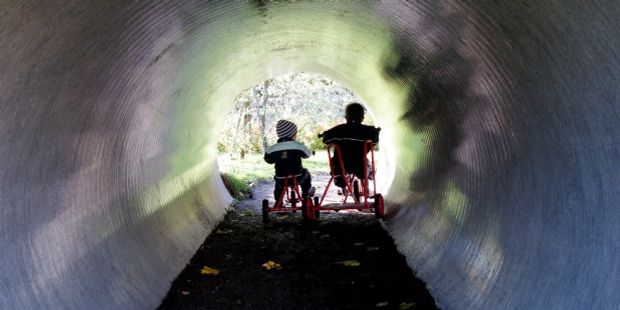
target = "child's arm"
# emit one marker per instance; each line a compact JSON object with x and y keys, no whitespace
{"x":375,"y":134}
{"x":268,"y":158}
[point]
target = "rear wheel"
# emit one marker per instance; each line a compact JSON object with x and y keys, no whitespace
{"x":265,"y":210}
{"x":379,"y":206}
{"x":317,"y":213}
{"x":293,"y":199}
{"x":356,"y":191}
{"x":307,"y":211}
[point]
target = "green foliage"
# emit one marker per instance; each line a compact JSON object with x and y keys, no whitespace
{"x":238,"y":187}
{"x":221,"y":148}
{"x":316,"y":143}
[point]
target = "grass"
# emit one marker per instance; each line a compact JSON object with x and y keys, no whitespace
{"x":239,"y":175}
{"x":238,"y":187}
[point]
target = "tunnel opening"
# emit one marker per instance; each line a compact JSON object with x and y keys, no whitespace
{"x":312,"y":101}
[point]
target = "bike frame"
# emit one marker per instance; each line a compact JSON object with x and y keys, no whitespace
{"x":349,"y":179}
{"x":279,"y":205}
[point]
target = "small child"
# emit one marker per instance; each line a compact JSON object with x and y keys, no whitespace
{"x":287,"y":155}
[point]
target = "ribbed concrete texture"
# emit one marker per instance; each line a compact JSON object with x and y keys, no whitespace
{"x":501,"y":124}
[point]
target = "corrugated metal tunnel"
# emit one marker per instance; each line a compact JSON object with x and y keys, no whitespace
{"x":501,"y":120}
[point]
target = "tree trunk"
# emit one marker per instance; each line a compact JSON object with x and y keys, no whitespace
{"x":237,"y":133}
{"x":260,"y":113}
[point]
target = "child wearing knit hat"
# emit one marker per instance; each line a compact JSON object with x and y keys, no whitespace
{"x":287,"y":154}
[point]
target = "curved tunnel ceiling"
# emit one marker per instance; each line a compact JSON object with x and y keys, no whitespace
{"x":501,"y":121}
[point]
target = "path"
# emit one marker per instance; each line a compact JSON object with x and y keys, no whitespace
{"x":343,"y":261}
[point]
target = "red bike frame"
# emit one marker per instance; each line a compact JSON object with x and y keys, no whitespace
{"x":349,"y":179}
{"x":279,"y":206}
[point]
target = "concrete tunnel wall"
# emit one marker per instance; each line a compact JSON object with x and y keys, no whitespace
{"x":501,"y":120}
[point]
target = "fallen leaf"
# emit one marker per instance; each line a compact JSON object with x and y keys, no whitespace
{"x":407,"y":305}
{"x":381,"y":304}
{"x":351,"y":263}
{"x":271,"y":265}
{"x":209,"y":271}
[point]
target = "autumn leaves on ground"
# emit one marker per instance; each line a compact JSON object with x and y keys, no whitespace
{"x":345,"y":260}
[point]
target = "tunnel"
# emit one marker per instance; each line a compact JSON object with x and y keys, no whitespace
{"x":500,"y":118}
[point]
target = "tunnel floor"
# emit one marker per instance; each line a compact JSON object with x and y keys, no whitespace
{"x":342,"y":261}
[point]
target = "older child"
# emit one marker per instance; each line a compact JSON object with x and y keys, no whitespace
{"x":350,"y":138}
{"x":287,"y":154}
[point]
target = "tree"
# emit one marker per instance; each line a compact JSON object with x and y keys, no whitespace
{"x":312,"y":101}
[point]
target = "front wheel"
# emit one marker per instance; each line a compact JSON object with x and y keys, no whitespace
{"x":265,"y":210}
{"x":379,"y":206}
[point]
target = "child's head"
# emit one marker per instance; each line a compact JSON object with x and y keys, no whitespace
{"x":286,"y":129}
{"x":354,"y":112}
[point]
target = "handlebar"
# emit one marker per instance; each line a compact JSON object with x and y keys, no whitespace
{"x":322,"y":134}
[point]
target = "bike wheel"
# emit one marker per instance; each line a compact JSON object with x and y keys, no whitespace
{"x":307,"y":211}
{"x":317,"y":213}
{"x":379,"y":206}
{"x":265,"y":210}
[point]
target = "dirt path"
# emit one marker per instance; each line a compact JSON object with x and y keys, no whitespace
{"x":343,"y":261}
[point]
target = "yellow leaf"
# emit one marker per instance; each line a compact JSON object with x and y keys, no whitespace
{"x":271,"y":265}
{"x":351,"y":263}
{"x":405,"y":305}
{"x":209,"y":271}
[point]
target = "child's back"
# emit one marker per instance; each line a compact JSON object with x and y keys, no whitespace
{"x":287,"y":155}
{"x":351,"y":139}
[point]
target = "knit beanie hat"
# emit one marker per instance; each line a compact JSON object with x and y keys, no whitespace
{"x":285,"y":128}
